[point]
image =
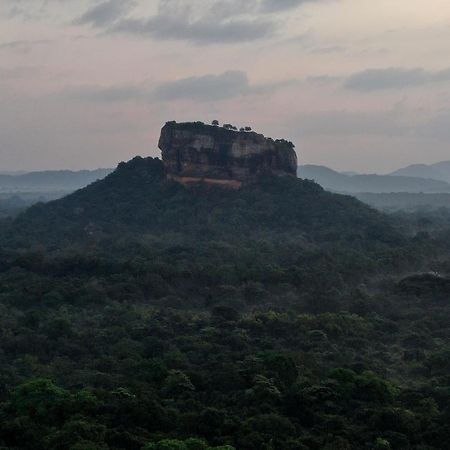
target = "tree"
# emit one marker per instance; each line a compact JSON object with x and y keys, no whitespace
{"x":177,"y":383}
{"x":215,"y":123}
{"x":40,"y":399}
{"x":189,"y":444}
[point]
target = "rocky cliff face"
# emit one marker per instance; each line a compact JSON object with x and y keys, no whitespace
{"x":195,"y":152}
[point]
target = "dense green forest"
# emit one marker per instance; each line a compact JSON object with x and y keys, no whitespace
{"x":140,"y":314}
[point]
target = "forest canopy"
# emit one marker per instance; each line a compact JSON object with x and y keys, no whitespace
{"x":141,"y":314}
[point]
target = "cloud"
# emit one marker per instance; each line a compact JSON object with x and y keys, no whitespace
{"x":105,"y":13}
{"x":396,"y":122}
{"x":199,"y":32}
{"x":22,"y":45}
{"x":323,"y":79}
{"x":442,"y":75}
{"x":328,"y":50}
{"x":198,"y":21}
{"x":282,"y":5}
{"x":208,"y":87}
{"x":179,"y":21}
{"x":110,"y":94}
{"x":229,"y":84}
{"x":344,"y":123}
{"x":393,"y":78}
{"x":29,"y":10}
{"x":14,"y":73}
{"x":436,"y":127}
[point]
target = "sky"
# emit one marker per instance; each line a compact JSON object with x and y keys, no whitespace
{"x":358,"y":85}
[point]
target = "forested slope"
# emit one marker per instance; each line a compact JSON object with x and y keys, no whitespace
{"x":137,"y":313}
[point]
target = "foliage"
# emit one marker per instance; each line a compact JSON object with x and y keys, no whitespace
{"x":138,"y":314}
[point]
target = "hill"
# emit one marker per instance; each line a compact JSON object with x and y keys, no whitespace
{"x":340,"y":182}
{"x":12,"y":204}
{"x":50,"y":180}
{"x":405,"y":201}
{"x":138,"y":198}
{"x":19,"y":190}
{"x":438,"y":171}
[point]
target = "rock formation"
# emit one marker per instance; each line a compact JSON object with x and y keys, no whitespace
{"x":194,"y":152}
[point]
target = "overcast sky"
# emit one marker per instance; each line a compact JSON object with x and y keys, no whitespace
{"x":356,"y":84}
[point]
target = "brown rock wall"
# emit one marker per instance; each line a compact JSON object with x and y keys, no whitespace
{"x":194,"y":152}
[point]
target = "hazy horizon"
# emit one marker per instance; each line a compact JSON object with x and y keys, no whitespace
{"x":357,"y":85}
{"x":25,"y":171}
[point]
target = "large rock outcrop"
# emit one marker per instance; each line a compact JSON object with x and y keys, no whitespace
{"x":194,"y":152}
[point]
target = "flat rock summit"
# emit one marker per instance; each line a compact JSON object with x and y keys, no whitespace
{"x":193,"y":152}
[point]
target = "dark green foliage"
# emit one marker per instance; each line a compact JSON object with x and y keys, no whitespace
{"x":138,"y":314}
{"x":135,"y":198}
{"x":429,"y":285}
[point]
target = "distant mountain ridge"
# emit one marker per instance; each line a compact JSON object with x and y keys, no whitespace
{"x":438,"y":171}
{"x":50,"y":180}
{"x":371,"y":183}
{"x":406,"y":201}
